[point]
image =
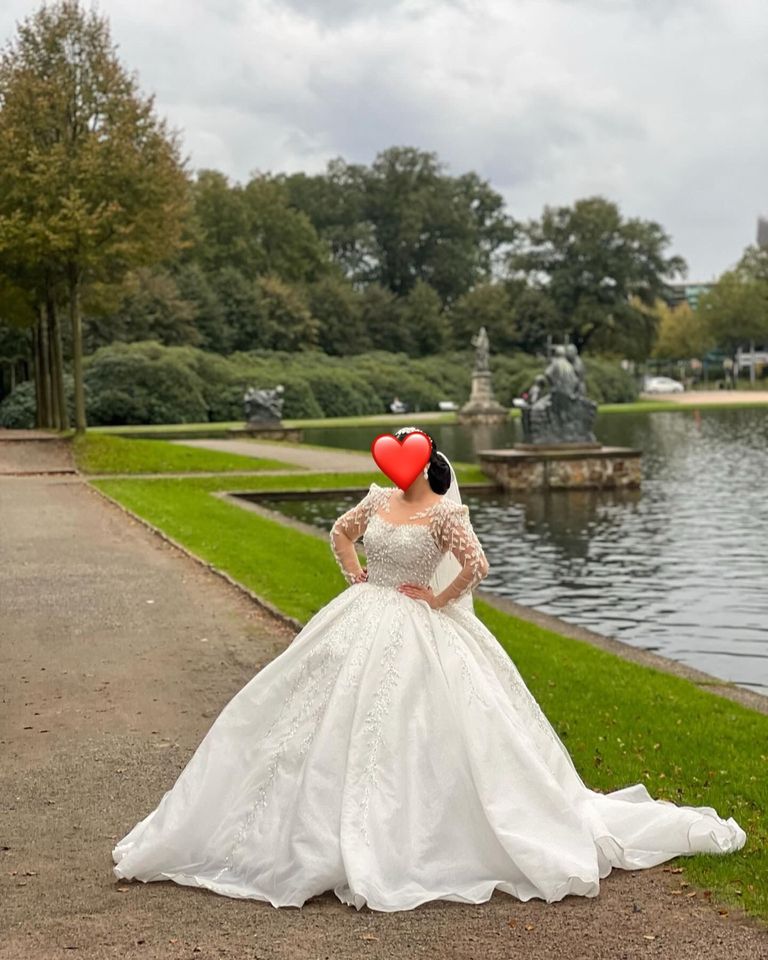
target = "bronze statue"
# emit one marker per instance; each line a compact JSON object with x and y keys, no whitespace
{"x":563,"y":414}
{"x":264,"y":405}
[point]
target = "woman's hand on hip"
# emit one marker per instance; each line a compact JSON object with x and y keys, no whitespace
{"x":417,"y":592}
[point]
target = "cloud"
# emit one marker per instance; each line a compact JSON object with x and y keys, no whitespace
{"x":657,"y":104}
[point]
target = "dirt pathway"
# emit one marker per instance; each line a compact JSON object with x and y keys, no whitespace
{"x":118,"y":652}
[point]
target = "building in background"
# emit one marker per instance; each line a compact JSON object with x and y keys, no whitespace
{"x":678,"y":293}
{"x":762,"y":231}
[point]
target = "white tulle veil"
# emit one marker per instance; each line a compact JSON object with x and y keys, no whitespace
{"x":449,"y":567}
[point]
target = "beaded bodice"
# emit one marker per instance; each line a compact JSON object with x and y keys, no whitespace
{"x":399,"y":553}
{"x":408,"y":552}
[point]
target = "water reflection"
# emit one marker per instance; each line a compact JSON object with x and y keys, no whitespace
{"x":678,"y":566}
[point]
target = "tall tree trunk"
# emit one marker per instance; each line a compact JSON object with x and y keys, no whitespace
{"x":76,"y":322}
{"x":752,"y":362}
{"x":13,"y":376}
{"x":54,"y":396}
{"x":57,"y":362}
{"x":43,"y":372}
{"x":36,"y":376}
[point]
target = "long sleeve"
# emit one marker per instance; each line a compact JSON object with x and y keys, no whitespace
{"x":455,"y":534}
{"x":349,"y":527}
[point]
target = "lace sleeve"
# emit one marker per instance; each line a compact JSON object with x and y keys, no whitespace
{"x":456,"y":535}
{"x":349,"y":527}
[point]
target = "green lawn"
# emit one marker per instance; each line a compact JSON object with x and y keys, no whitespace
{"x":100,"y":453}
{"x":622,"y":723}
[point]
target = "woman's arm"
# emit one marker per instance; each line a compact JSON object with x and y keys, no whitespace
{"x":458,"y":537}
{"x":347,"y":529}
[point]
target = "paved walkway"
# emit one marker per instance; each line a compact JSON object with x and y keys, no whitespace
{"x":118,"y":652}
{"x":703,"y":398}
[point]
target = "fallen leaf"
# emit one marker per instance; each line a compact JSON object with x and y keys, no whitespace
{"x":723,"y":913}
{"x":369,"y":936}
{"x":676,"y":870}
{"x":529,"y":926}
{"x":512,"y":923}
{"x":649,"y":936}
{"x":123,"y":889}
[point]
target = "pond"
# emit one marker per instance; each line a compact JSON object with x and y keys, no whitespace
{"x":679,"y":567}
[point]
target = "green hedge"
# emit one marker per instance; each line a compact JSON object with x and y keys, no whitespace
{"x":146,"y":383}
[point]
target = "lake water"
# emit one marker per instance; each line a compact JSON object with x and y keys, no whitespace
{"x":679,"y":567}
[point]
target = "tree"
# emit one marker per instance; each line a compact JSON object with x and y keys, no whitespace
{"x":240,"y":306}
{"x":590,"y":262}
{"x":404,"y":219}
{"x":254,"y":229}
{"x":537,"y":319}
{"x":683,"y":334}
{"x":335,"y":204}
{"x":285,"y":322}
{"x":422,"y":314}
{"x":384,"y":321}
{"x":735,"y":310}
{"x":92,"y":184}
{"x":429,"y":226}
{"x":337,"y":307}
{"x":17,"y":318}
{"x":210,"y":320}
{"x":152,"y":308}
{"x":487,"y":305}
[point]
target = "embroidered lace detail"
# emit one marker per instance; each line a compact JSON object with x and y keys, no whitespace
{"x":314,"y":680}
{"x":374,"y":719}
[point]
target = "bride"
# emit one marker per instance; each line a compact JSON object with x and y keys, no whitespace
{"x":393,"y":754}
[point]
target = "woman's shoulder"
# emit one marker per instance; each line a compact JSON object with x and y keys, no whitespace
{"x":448,"y":513}
{"x":377,"y":493}
{"x":453,"y":509}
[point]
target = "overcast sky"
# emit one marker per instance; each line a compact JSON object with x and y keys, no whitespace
{"x":660,"y":105}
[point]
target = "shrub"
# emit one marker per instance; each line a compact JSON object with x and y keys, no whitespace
{"x":17,"y":410}
{"x":142,"y":383}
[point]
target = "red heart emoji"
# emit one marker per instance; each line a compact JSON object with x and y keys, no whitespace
{"x":402,"y":461}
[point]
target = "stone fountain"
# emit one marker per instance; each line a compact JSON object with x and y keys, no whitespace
{"x":559,"y":449}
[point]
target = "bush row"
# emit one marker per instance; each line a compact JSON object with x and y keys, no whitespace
{"x":147,"y":383}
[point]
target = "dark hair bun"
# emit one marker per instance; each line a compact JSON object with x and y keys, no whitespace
{"x":439,"y":473}
{"x":438,"y":470}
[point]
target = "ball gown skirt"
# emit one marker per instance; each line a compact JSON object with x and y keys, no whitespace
{"x":393,"y":754}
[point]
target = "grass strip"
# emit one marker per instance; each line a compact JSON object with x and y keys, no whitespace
{"x":100,"y":453}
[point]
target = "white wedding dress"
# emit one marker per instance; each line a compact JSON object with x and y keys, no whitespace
{"x":393,"y":754}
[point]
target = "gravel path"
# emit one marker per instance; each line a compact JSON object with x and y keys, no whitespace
{"x":312,"y":458}
{"x":118,"y":652}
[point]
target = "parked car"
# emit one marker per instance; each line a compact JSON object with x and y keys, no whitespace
{"x":447,"y":405}
{"x":662,"y":385}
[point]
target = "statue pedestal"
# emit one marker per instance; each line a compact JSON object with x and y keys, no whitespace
{"x":269,"y":430}
{"x":565,"y":466}
{"x":482,"y":406}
